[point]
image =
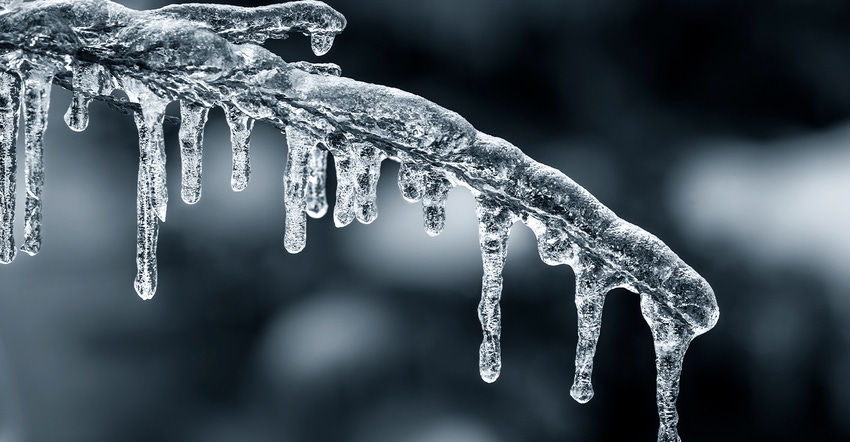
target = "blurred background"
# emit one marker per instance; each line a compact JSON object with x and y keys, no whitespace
{"x":723,"y":127}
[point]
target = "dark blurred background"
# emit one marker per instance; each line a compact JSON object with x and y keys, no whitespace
{"x":720,"y":126}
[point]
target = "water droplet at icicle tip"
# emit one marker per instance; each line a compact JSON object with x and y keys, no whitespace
{"x":321,"y":43}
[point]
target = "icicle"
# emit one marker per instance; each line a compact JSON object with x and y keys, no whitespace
{"x":294,"y":184}
{"x":37,"y":82}
{"x":10,"y":94}
{"x":591,"y":288}
{"x":494,"y":226}
{"x":88,"y":78}
{"x":436,"y":190}
{"x":240,"y":138}
{"x":317,"y":203}
{"x":345,"y":185}
{"x":368,"y":171}
{"x":152,"y":194}
{"x":193,"y":117}
{"x":410,"y":180}
{"x":552,"y":243}
{"x":321,"y":43}
{"x":147,"y":231}
{"x":671,"y":338}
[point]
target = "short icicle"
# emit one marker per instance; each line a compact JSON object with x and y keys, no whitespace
{"x":193,"y":117}
{"x":89,"y":78}
{"x":345,"y":163}
{"x":591,"y":289}
{"x":436,"y":190}
{"x":368,"y":171}
{"x":10,"y":94}
{"x":317,"y":202}
{"x":494,"y":226}
{"x":37,"y":82}
{"x":240,"y":139}
{"x":299,"y":144}
{"x":410,"y":180}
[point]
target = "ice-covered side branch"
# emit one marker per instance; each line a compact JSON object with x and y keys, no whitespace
{"x":207,"y":55}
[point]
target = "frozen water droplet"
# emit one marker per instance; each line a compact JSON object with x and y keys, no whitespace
{"x":321,"y":43}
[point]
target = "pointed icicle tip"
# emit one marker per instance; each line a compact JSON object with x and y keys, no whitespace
{"x":321,"y":43}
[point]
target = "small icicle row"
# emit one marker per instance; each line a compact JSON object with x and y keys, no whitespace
{"x":317,"y":202}
{"x":494,"y":226}
{"x":435,"y":191}
{"x":89,"y":78}
{"x":37,"y":81}
{"x":367,"y":172}
{"x":299,"y":144}
{"x":193,"y":117}
{"x":240,"y":139}
{"x":410,"y":180}
{"x":10,"y":94}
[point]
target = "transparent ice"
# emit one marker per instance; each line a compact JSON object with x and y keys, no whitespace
{"x":207,"y":55}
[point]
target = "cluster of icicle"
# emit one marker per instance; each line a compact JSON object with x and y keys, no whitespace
{"x":209,"y":55}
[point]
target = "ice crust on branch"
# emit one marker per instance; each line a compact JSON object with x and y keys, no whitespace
{"x":208,"y":55}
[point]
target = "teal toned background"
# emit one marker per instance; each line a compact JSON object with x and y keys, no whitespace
{"x":720,"y":126}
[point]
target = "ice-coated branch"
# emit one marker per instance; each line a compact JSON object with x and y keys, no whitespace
{"x":207,"y":55}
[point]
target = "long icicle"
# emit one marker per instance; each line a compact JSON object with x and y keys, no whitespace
{"x":193,"y":117}
{"x":317,"y":201}
{"x":37,"y":82}
{"x":240,"y":139}
{"x":368,"y":171}
{"x":671,"y":338}
{"x":494,"y":226}
{"x":10,"y":94}
{"x":299,"y":145}
{"x":151,"y":197}
{"x":591,"y":289}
